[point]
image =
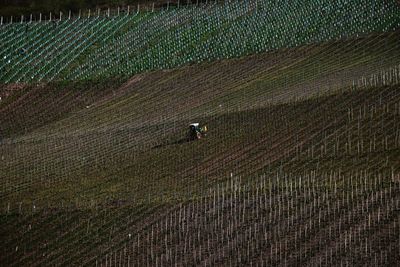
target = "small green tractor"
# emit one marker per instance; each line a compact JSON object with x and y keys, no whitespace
{"x":196,"y":132}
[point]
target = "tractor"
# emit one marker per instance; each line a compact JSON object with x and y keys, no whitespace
{"x":196,"y":132}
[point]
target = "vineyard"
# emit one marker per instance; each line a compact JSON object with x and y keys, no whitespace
{"x":301,"y":164}
{"x":98,"y":44}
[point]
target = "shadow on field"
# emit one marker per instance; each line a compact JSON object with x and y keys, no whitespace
{"x":170,"y":143}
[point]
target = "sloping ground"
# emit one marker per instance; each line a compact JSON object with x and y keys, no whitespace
{"x":98,"y":46}
{"x":300,"y":165}
{"x":249,"y":82}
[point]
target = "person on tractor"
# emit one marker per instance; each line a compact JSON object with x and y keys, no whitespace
{"x":196,"y":132}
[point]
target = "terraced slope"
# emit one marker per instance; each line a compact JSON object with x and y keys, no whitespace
{"x":300,"y":165}
{"x":131,"y":43}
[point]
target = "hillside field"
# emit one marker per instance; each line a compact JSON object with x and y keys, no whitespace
{"x":300,"y":166}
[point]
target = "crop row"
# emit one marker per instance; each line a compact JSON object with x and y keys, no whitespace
{"x":310,"y":65}
{"x":375,"y":130}
{"x":320,"y":215}
{"x":269,"y":220}
{"x":89,"y":48}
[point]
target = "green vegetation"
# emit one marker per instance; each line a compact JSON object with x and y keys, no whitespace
{"x":17,"y":8}
{"x":99,"y":46}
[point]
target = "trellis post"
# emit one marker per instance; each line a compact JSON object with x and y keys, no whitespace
{"x":79,"y":16}
{"x":30,"y":21}
{"x":50,"y":17}
{"x":11,"y":19}
{"x":22,"y":18}
{"x":89,"y":14}
{"x":98,"y":12}
{"x":152,"y":9}
{"x":168,"y":5}
{"x":1,"y":20}
{"x":40,"y":17}
{"x":118,"y":11}
{"x":108,"y":12}
{"x":69,"y":15}
{"x":128,"y":9}
{"x":60,"y":15}
{"x":138,"y":8}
